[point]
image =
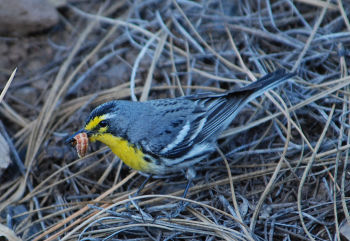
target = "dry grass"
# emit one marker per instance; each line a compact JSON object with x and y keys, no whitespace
{"x":280,"y":171}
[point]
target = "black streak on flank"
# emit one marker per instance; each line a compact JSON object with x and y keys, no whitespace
{"x":147,"y":159}
{"x":176,"y":123}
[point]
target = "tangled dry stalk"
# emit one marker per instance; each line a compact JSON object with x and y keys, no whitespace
{"x":281,"y":170}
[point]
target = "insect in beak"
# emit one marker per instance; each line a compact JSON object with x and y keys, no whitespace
{"x":80,"y":140}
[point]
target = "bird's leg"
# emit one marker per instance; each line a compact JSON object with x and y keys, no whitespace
{"x":190,"y":175}
{"x":142,"y":185}
{"x":148,"y":177}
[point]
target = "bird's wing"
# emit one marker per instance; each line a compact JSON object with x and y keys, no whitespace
{"x":199,"y":119}
{"x":177,"y":124}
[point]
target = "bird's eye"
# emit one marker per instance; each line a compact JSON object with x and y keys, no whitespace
{"x":103,"y":123}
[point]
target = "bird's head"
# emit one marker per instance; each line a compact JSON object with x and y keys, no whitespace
{"x":99,"y":123}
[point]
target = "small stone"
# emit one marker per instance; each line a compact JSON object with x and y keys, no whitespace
{"x":21,"y":17}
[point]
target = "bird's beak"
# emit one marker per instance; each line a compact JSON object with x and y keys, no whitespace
{"x":71,"y":140}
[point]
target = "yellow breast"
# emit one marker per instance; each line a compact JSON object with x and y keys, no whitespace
{"x":129,"y":154}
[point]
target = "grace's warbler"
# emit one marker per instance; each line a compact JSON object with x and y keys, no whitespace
{"x":170,"y":135}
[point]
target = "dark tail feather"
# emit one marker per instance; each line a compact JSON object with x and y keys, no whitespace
{"x":267,"y":82}
{"x":223,"y":108}
{"x":258,"y":87}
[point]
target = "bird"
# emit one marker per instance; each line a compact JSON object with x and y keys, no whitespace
{"x":164,"y":136}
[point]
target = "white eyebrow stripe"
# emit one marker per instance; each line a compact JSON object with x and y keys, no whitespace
{"x":108,"y":116}
{"x":179,"y":138}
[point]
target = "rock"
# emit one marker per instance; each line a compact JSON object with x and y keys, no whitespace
{"x":345,"y":229}
{"x":8,"y":234}
{"x":5,"y":159}
{"x":21,"y":17}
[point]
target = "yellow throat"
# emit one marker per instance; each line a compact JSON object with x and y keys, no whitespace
{"x":128,"y":153}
